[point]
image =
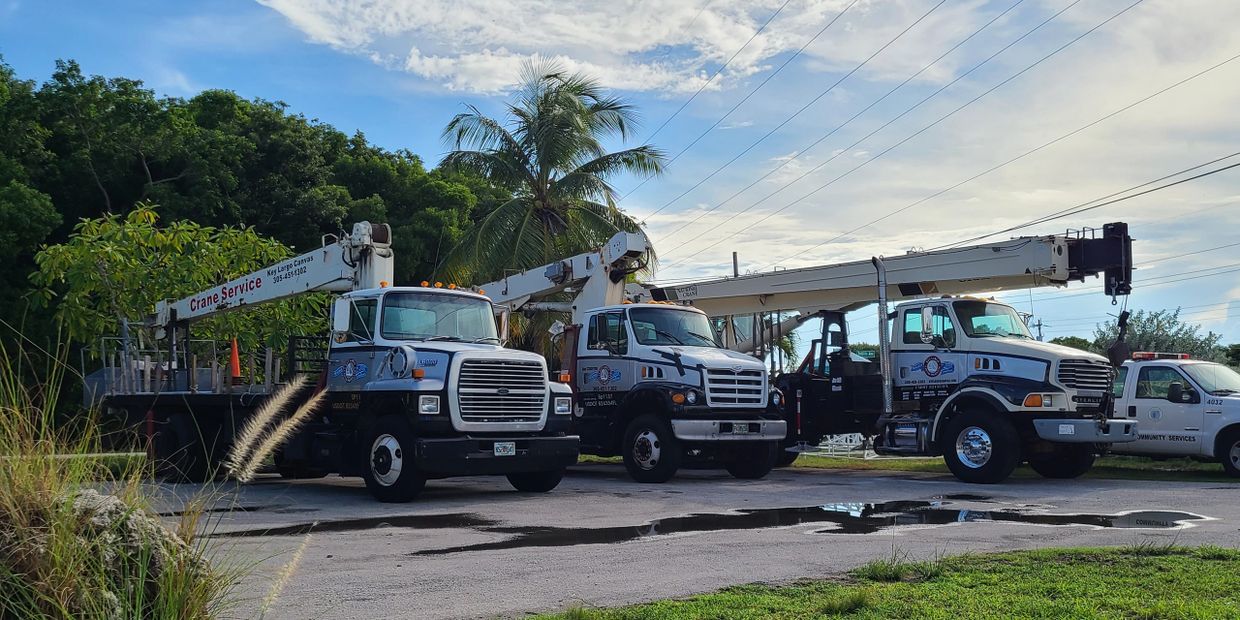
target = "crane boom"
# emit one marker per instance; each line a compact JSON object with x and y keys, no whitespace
{"x":360,"y":260}
{"x":1022,"y":262}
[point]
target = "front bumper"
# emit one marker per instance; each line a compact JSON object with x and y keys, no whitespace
{"x":475,"y":456}
{"x":1086,"y":431}
{"x":726,"y":430}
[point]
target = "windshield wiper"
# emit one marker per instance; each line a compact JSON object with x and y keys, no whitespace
{"x":673,"y":338}
{"x":1224,"y":392}
{"x":704,"y":338}
{"x":485,"y":338}
{"x":452,"y":338}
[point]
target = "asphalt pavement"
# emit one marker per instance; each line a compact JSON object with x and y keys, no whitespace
{"x":473,"y":547}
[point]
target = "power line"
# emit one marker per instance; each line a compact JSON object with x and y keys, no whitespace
{"x":746,"y":97}
{"x":920,"y":131}
{"x":717,"y":71}
{"x":794,"y":115}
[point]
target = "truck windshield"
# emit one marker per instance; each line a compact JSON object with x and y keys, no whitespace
{"x":1214,"y":378}
{"x":668,"y":326}
{"x":437,"y":316}
{"x":984,"y":318}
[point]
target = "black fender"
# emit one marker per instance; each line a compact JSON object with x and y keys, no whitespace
{"x":975,"y":396}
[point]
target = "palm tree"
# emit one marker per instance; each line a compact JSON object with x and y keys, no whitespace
{"x":549,"y":153}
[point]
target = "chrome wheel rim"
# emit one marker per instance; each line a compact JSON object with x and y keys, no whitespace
{"x":974,"y":447}
{"x":646,"y":449}
{"x":386,"y":460}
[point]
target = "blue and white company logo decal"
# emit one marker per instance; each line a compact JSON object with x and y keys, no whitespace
{"x":603,"y":375}
{"x":933,"y":366}
{"x":350,"y":370}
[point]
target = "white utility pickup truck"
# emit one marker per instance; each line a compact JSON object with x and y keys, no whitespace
{"x":1183,"y":407}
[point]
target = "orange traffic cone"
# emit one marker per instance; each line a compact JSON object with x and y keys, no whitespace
{"x":234,"y":364}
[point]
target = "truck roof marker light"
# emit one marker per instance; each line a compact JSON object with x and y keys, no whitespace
{"x":451,"y":287}
{"x":439,"y":285}
{"x":383,"y":283}
{"x":418,"y":373}
{"x":1156,"y":355}
{"x":481,"y":292}
{"x":425,"y":283}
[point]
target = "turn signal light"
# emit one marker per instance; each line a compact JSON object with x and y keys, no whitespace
{"x":1033,"y":400}
{"x":678,"y":398}
{"x":566,"y":377}
{"x":418,"y":373}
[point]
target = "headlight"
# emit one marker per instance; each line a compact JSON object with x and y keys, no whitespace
{"x":777,"y":399}
{"x":563,"y":405}
{"x":691,"y":397}
{"x":428,"y":404}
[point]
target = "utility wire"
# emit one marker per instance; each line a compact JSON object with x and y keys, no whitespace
{"x":717,"y":71}
{"x":746,"y":97}
{"x":891,"y":121}
{"x":794,"y":116}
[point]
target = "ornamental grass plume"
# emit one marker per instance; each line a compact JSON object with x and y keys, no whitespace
{"x":252,"y":432}
{"x":277,"y":435}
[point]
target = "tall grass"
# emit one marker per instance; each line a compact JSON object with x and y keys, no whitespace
{"x":69,"y":551}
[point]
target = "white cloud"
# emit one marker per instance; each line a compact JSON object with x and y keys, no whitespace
{"x":657,"y":45}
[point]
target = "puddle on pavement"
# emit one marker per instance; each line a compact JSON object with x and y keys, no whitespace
{"x":441,"y":521}
{"x":847,"y":519}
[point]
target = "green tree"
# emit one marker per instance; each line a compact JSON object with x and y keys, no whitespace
{"x":549,"y":153}
{"x":1076,"y":342}
{"x":1161,"y":330}
{"x":115,"y":268}
{"x":1233,"y":355}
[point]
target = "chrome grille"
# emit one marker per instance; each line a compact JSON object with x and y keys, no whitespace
{"x":1085,"y":375}
{"x":502,"y":391}
{"x":735,"y":388}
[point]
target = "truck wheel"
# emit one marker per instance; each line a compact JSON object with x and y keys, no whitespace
{"x":1064,"y":462}
{"x":754,"y":461}
{"x":389,"y":469}
{"x":651,"y":452}
{"x":981,"y":447}
{"x":537,"y":481}
{"x":786,"y":458}
{"x":181,"y":454}
{"x":1228,"y":452}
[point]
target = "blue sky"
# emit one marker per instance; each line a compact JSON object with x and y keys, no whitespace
{"x":398,"y":70}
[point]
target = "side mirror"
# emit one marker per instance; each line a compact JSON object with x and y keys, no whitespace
{"x":1176,"y":393}
{"x":340,"y":316}
{"x":927,"y":325}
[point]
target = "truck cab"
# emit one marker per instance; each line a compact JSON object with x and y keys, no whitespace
{"x":419,"y":380}
{"x":1184,"y":408}
{"x":968,"y":382}
{"x":655,"y":385}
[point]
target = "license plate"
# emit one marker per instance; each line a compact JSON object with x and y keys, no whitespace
{"x":505,"y":448}
{"x":1067,"y":429}
{"x":740,"y":429}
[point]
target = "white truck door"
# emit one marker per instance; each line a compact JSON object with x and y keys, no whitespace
{"x":923,"y":370}
{"x":1164,"y":427}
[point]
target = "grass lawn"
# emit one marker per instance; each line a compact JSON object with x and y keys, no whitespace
{"x":1130,"y":583}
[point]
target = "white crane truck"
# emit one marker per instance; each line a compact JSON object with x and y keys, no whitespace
{"x":651,"y":381}
{"x":418,"y":383}
{"x":957,"y":376}
{"x":1185,"y":408}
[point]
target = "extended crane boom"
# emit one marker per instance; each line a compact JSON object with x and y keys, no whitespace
{"x":1023,"y":262}
{"x":360,"y":260}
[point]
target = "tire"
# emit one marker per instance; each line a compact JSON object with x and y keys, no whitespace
{"x":388,"y":460}
{"x":754,"y":462}
{"x":1228,"y":452}
{"x":536,"y":482}
{"x":652,"y":454}
{"x":786,"y":458}
{"x":181,"y":454}
{"x":981,"y":447}
{"x":1065,"y":462}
